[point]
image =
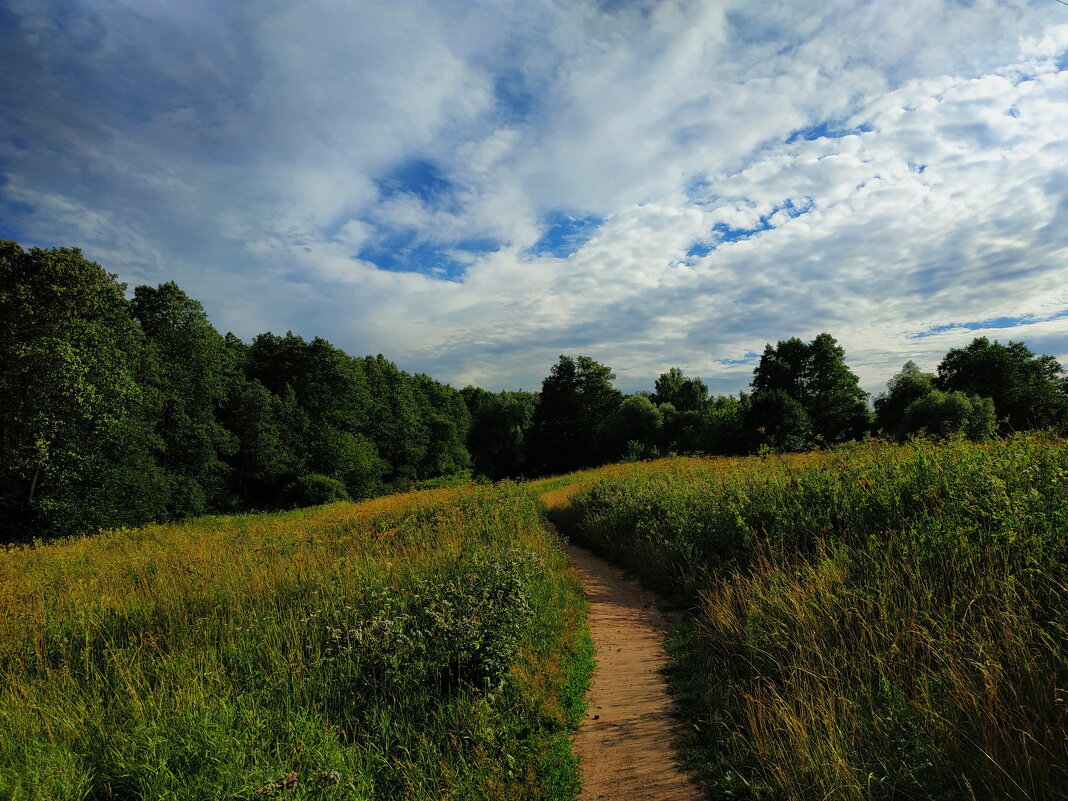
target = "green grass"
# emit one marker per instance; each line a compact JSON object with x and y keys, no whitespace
{"x":875,"y":622}
{"x":427,"y":645}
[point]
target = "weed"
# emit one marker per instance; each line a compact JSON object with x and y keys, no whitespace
{"x":417,"y":646}
{"x":871,"y":622}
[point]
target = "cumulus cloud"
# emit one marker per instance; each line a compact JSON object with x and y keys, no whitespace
{"x":383,"y":174}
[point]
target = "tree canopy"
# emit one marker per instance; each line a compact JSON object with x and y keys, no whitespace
{"x":118,"y":412}
{"x":576,"y":398}
{"x":686,"y":394}
{"x":945,"y":413}
{"x":1028,"y":391}
{"x":500,"y":427}
{"x":814,"y":375}
{"x":903,"y":389}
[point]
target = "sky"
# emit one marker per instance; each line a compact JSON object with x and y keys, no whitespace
{"x":474,"y":188}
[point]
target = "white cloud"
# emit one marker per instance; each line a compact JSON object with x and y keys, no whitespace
{"x":242,"y":151}
{"x":1050,"y":44}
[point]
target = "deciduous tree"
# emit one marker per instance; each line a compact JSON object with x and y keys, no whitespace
{"x":902,"y":390}
{"x":1028,"y":390}
{"x":191,"y":375}
{"x":815,"y":376}
{"x":686,"y":394}
{"x":577,"y":397}
{"x":76,"y":445}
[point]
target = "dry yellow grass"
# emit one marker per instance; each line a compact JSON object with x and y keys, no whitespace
{"x":233,"y":557}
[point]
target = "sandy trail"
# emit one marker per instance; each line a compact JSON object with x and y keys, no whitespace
{"x":625,"y":740}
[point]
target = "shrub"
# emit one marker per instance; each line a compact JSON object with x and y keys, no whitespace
{"x":461,"y":627}
{"x":315,"y":489}
{"x":944,"y":414}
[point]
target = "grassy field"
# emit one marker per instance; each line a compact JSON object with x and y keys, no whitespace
{"x":426,"y":645}
{"x":873,"y":622}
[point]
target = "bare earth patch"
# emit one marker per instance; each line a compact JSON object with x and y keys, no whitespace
{"x":625,"y":742}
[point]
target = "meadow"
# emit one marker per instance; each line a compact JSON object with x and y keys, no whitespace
{"x":426,"y":645}
{"x":874,"y":621}
{"x":870,"y":622}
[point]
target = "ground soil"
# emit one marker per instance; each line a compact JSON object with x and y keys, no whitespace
{"x":625,"y":742}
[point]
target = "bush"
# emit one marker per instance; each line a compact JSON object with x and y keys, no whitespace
{"x":315,"y":489}
{"x":776,"y":419}
{"x":943,"y":414}
{"x":461,"y":628}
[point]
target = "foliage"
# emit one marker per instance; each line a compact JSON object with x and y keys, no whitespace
{"x":686,"y":394}
{"x":724,"y":426}
{"x":189,"y":374}
{"x":315,"y":489}
{"x":872,"y":622}
{"x":777,"y":421}
{"x":1028,"y":391}
{"x":576,"y":398}
{"x":814,"y":375}
{"x":500,"y":426}
{"x":271,"y":433}
{"x":77,"y":449}
{"x":425,"y":645}
{"x":946,"y":413}
{"x":119,"y":412}
{"x":634,"y":430}
{"x":902,"y":390}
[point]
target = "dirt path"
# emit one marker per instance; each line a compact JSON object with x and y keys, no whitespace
{"x":625,"y":741}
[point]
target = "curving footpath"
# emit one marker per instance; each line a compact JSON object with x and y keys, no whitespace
{"x":625,"y":742}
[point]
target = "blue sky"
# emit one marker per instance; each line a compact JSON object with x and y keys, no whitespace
{"x":473,"y":188}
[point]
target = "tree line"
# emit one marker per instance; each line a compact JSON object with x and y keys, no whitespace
{"x":121,"y":410}
{"x":802,"y":396}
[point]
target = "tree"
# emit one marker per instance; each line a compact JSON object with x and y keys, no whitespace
{"x":272,"y":435}
{"x":333,"y":388}
{"x":576,"y":398}
{"x":448,"y":421}
{"x":500,"y":426}
{"x":76,"y":446}
{"x":724,"y":429}
{"x":368,"y":421}
{"x":348,"y":458}
{"x":784,"y":368}
{"x":395,"y":424}
{"x":684,"y":393}
{"x":193,"y":375}
{"x":775,"y":419}
{"x":837,"y":405}
{"x":1028,"y":391}
{"x":902,"y":390}
{"x":814,"y":375}
{"x":634,"y":430}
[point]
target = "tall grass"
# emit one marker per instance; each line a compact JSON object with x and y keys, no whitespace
{"x":428,"y":645}
{"x":875,"y":622}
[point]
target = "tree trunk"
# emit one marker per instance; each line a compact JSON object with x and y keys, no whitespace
{"x":33,"y":486}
